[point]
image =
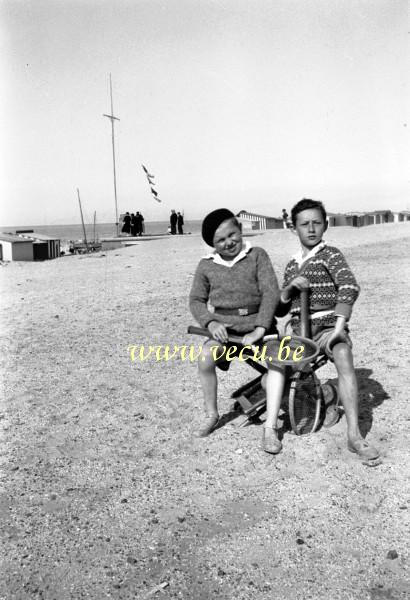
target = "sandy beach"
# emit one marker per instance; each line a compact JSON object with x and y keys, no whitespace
{"x":105,"y":493}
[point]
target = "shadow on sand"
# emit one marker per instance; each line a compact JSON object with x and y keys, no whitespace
{"x":371,"y":395}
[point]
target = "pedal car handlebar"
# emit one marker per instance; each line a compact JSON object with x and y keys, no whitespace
{"x":236,"y":339}
{"x":304,"y":314}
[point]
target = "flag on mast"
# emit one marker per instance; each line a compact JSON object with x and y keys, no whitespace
{"x":151,"y":182}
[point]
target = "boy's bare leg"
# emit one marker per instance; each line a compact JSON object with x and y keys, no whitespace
{"x":348,"y":390}
{"x":209,"y":383}
{"x":275,"y":383}
{"x":349,"y":396}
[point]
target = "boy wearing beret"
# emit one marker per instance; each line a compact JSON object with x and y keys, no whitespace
{"x":239,"y":283}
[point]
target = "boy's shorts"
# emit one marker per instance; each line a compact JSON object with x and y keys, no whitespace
{"x":322,"y":337}
{"x":224,"y":364}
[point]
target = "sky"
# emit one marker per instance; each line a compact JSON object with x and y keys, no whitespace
{"x":247,"y":104}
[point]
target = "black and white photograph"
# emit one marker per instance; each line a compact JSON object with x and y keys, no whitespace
{"x":205,"y":277}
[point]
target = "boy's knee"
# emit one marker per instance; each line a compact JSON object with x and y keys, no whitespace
{"x":207,"y":360}
{"x":206,"y":363}
{"x":342,"y":355}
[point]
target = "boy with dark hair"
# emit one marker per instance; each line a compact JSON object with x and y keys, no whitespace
{"x":305,"y":204}
{"x":333,"y":290}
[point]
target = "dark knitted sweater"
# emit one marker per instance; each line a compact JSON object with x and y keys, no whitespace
{"x":250,"y":281}
{"x":332,"y":286}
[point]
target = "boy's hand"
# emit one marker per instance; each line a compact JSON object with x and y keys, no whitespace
{"x":300,"y":284}
{"x":250,"y":338}
{"x":218,"y":331}
{"x":339,"y":334}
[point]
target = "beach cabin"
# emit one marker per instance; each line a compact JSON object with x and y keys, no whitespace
{"x":331,"y":219}
{"x":355,"y":219}
{"x":359,"y":219}
{"x":377,"y":217}
{"x":44,"y":246}
{"x":13,"y":247}
{"x":338,"y":220}
{"x":28,"y":245}
{"x":260,"y":222}
{"x":400,"y":217}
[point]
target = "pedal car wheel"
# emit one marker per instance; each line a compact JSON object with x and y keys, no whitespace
{"x":305,"y":399}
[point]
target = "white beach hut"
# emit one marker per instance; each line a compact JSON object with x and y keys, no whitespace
{"x":13,"y":247}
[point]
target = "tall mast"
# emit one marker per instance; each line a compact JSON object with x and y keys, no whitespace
{"x":112,"y":119}
{"x":82,"y":219}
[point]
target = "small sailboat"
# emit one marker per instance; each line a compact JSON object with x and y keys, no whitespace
{"x":83,"y":246}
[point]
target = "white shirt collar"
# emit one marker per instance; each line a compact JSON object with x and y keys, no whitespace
{"x":301,"y":259}
{"x":217,"y":258}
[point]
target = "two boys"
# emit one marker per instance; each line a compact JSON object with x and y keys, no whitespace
{"x":323,"y":271}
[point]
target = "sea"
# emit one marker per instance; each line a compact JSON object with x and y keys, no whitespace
{"x":74,"y":232}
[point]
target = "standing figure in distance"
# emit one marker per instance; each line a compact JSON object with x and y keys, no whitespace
{"x":140,"y":223}
{"x":180,"y":223}
{"x":285,"y":218}
{"x":133,"y":225}
{"x":173,"y":222}
{"x":126,"y":228}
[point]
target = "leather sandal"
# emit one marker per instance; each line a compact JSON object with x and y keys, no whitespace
{"x":271,"y":443}
{"x":208,"y":426}
{"x":363,"y":449}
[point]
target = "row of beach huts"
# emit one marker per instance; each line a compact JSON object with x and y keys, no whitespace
{"x":354,"y":219}
{"x":27,"y":245}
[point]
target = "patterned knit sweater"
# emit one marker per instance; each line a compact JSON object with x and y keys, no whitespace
{"x":332,"y":287}
{"x":249,"y":282}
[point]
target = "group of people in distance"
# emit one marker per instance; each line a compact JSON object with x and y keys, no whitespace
{"x":176,"y":221}
{"x":240,"y":284}
{"x":133,"y":224}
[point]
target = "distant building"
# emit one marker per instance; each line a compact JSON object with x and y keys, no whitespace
{"x":13,"y":247}
{"x":403,"y":215}
{"x":376,"y":217}
{"x":259,"y":222}
{"x":44,"y":246}
{"x":357,"y":219}
{"x":28,"y":245}
{"x":352,"y":219}
{"x":337,"y":219}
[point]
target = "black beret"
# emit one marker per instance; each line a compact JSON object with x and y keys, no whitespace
{"x":212,"y":221}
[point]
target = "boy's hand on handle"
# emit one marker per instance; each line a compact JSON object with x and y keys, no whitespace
{"x":299,"y":284}
{"x":218,"y":331}
{"x":253,"y":336}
